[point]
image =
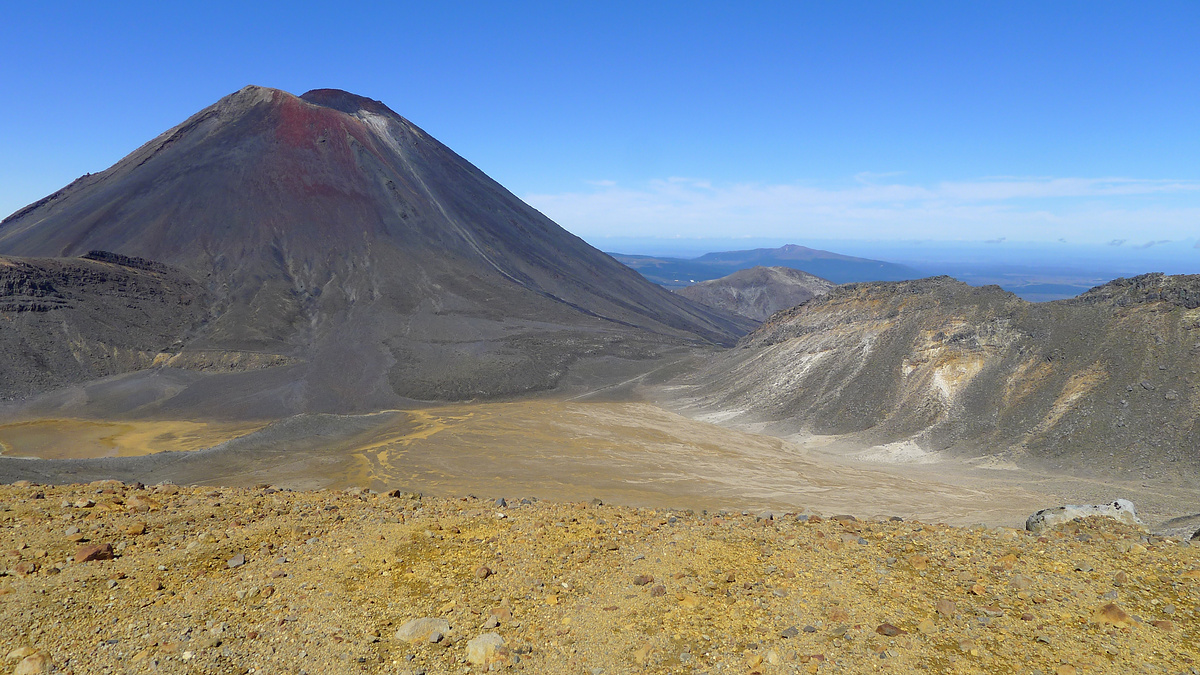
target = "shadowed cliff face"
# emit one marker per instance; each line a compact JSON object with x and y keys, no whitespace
{"x":758,"y":292}
{"x":68,"y":321}
{"x":1107,"y":380}
{"x":333,"y":232}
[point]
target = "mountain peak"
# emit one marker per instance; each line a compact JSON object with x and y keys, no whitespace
{"x":345,"y":102}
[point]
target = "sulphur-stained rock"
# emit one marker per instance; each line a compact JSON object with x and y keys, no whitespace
{"x":482,"y":650}
{"x":92,"y":552}
{"x":419,"y":630}
{"x":1121,"y":510}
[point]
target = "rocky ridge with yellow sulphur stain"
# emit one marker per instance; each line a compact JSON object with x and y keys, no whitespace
{"x":228,"y":580}
{"x":1103,"y":383}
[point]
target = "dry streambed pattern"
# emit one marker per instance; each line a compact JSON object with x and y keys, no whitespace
{"x":259,"y":580}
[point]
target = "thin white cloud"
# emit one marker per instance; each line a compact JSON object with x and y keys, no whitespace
{"x":1019,"y":208}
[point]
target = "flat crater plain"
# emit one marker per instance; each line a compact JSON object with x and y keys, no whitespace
{"x":632,"y":453}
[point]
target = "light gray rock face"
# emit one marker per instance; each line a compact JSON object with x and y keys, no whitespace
{"x":482,"y":650}
{"x":419,"y":630}
{"x":1121,"y":510}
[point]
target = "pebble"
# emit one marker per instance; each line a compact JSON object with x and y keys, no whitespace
{"x":236,"y":561}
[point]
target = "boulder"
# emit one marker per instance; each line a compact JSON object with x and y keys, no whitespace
{"x":1121,"y":510}
{"x":482,"y":650}
{"x":419,"y":630}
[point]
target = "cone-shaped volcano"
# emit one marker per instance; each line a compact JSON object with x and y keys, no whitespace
{"x":334,"y":232}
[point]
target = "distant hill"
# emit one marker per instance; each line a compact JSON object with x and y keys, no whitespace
{"x":840,"y":269}
{"x":1106,"y":381}
{"x":758,"y":292}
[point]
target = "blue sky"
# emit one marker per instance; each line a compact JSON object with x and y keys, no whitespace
{"x":794,"y":121}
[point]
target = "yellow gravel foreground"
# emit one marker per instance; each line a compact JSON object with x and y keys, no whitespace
{"x":118,"y":578}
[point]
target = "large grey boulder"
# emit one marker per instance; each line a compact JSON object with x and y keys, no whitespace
{"x":1121,"y":510}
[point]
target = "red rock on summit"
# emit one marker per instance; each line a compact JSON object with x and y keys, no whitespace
{"x":353,"y":260}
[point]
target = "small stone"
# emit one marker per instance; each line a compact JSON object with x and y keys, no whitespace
{"x":483,"y":572}
{"x":918,"y":562}
{"x":926,"y":627}
{"x":642,"y":654}
{"x":642,"y":580}
{"x":810,"y":629}
{"x":790,"y":632}
{"x":236,"y":561}
{"x":889,"y":630}
{"x":136,"y":529}
{"x":419,"y":630}
{"x":658,"y":591}
{"x":1120,"y":579}
{"x":1065,"y":669}
{"x":25,"y":568}
{"x":1164,"y":624}
{"x":482,"y":650}
{"x":93,"y":552}
{"x":1020,"y":582}
{"x":946,"y":607}
{"x":1111,"y":615}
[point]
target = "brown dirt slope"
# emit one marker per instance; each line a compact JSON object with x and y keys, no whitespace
{"x":758,"y":292}
{"x":1106,"y":381}
{"x":256,"y":580}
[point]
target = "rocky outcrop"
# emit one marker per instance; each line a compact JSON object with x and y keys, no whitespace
{"x":758,"y":292}
{"x":1106,"y":381}
{"x":72,"y":320}
{"x":1121,"y":510}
